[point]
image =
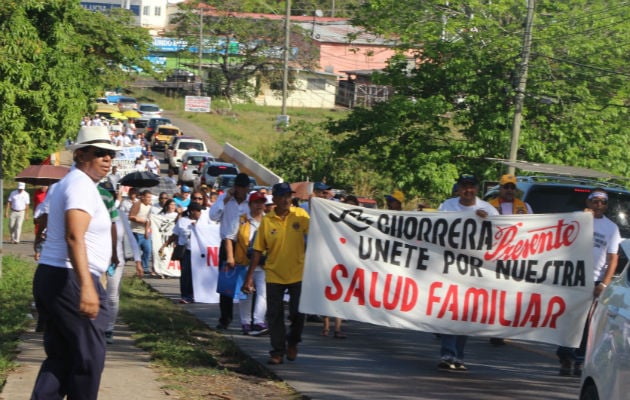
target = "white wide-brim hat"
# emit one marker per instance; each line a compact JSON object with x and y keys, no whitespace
{"x":97,"y":136}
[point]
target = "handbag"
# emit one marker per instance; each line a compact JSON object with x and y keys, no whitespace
{"x":231,"y":281}
{"x":179,"y":252}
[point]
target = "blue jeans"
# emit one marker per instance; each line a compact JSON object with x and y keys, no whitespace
{"x":452,"y":348}
{"x":145,"y":246}
{"x":275,"y":314}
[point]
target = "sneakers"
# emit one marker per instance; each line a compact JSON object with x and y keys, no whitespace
{"x":186,"y":300}
{"x":447,"y":365}
{"x":292,"y":352}
{"x":246,"y":329}
{"x":275,"y":360}
{"x":221,"y":327}
{"x":259,"y":330}
{"x":109,"y":337}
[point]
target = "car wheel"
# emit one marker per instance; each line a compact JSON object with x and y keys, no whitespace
{"x":589,"y":393}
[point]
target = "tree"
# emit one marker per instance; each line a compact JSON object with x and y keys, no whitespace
{"x":54,"y":58}
{"x":242,"y":47}
{"x":576,"y":104}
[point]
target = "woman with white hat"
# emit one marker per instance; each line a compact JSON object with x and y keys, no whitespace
{"x":69,"y":296}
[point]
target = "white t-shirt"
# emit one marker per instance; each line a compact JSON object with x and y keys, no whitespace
{"x":77,"y":191}
{"x":153,"y":166}
{"x":606,"y":239}
{"x":453,"y":204}
{"x":19,"y":199}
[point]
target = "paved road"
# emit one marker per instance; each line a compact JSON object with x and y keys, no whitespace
{"x":382,"y":363}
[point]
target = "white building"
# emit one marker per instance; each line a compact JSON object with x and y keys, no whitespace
{"x":151,"y":14}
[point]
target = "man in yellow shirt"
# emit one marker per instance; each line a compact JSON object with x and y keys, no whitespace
{"x":282,"y":236}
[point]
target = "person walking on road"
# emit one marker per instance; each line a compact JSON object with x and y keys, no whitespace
{"x":507,"y":203}
{"x":18,"y":203}
{"x":227,"y":211}
{"x":606,"y":240}
{"x":140,"y":218}
{"x":282,"y":236}
{"x":255,"y":323}
{"x":452,"y":347}
{"x":70,"y":299}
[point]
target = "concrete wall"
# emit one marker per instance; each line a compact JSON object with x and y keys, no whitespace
{"x":250,"y":166}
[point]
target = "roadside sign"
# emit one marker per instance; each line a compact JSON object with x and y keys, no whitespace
{"x":197,"y":104}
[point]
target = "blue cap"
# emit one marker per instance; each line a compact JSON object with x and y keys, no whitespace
{"x":321,"y":186}
{"x":185,"y":189}
{"x":281,"y":188}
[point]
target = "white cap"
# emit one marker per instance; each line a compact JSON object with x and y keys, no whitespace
{"x":21,"y":185}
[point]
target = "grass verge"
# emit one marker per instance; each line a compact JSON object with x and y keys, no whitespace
{"x":191,"y":354}
{"x":15,"y":297}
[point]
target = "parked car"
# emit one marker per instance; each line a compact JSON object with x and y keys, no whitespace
{"x":163,"y":136}
{"x":555,"y":194}
{"x":127,"y":103}
{"x":208,"y":174}
{"x":226,"y":181}
{"x":152,"y":124}
{"x":149,"y":110}
{"x":179,"y":147}
{"x":180,"y":75}
{"x":607,"y":362}
{"x":191,"y":162}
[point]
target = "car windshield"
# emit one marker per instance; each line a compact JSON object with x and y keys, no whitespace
{"x":160,"y":121}
{"x":190,"y":146}
{"x":126,"y":100}
{"x":149,"y":108}
{"x":196,"y":160}
{"x":216,"y":170}
{"x":556,"y":199}
{"x":168,"y":131}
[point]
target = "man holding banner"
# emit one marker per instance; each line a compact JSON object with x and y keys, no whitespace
{"x":606,"y":240}
{"x":452,"y":349}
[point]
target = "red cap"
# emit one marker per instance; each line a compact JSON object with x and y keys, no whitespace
{"x":257,"y":196}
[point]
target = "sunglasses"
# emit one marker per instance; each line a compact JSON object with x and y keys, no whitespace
{"x":604,"y":202}
{"x":509,"y":186}
{"x":197,"y":198}
{"x":98,"y":152}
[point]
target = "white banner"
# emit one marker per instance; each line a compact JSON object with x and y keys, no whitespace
{"x":205,"y":244}
{"x":512,"y":276}
{"x":161,"y":230}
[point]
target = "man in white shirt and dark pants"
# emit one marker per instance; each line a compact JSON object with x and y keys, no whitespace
{"x":18,"y":204}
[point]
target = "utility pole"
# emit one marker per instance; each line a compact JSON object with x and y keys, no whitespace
{"x":522,"y":83}
{"x":200,"y":52}
{"x":282,"y":120}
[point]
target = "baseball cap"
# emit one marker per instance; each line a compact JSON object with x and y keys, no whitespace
{"x":281,"y":188}
{"x":269,"y":200}
{"x":256,"y":196}
{"x":507,"y":178}
{"x":21,"y":185}
{"x":185,"y":189}
{"x":396,"y":195}
{"x":467,"y":179}
{"x":320,"y":186}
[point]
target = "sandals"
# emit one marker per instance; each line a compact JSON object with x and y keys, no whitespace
{"x":339,"y":335}
{"x":324,"y":332}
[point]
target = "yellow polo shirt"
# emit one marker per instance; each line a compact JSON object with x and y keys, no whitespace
{"x":285,"y":243}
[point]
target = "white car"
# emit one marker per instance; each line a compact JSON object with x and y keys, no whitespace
{"x":606,"y":373}
{"x":178,"y":148}
{"x":191,"y":161}
{"x":148,"y":110}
